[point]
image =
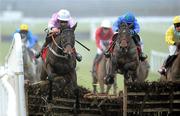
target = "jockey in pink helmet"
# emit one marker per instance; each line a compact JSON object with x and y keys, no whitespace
{"x":59,"y":21}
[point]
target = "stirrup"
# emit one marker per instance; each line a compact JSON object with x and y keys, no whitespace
{"x":78,"y":57}
{"x":107,"y":54}
{"x":143,"y":56}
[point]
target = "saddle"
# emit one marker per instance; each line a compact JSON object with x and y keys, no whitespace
{"x":44,"y":54}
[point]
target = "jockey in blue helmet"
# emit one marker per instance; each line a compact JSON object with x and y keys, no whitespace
{"x":130,"y":19}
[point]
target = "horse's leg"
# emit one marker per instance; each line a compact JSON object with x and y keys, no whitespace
{"x":73,"y":78}
{"x":142,"y":71}
{"x":43,"y":73}
{"x":51,"y":76}
{"x":101,"y":73}
{"x":110,"y":69}
{"x":94,"y":83}
{"x":115,"y":86}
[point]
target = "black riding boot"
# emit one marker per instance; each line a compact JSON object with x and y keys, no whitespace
{"x":136,"y":38}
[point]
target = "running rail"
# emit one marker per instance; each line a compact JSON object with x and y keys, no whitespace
{"x":12,"y":92}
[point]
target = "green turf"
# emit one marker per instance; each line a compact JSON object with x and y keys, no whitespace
{"x":4,"y":49}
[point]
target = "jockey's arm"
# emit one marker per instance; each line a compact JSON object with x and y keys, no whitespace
{"x":169,"y":38}
{"x":97,"y":37}
{"x":136,"y":26}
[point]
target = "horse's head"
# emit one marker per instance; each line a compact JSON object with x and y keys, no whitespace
{"x":123,"y":38}
{"x":24,"y":41}
{"x":66,"y":40}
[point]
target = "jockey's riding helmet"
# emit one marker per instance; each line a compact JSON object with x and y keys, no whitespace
{"x":129,"y":17}
{"x":24,"y":27}
{"x":106,"y":24}
{"x":64,"y":15}
{"x":176,"y":19}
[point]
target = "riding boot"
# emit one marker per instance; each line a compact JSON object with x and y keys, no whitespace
{"x":167,"y":63}
{"x":136,"y":38}
{"x":78,"y":57}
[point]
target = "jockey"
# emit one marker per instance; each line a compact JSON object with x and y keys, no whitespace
{"x":130,"y":19}
{"x":103,"y":35}
{"x":171,"y":37}
{"x":31,"y":39}
{"x":58,"y":22}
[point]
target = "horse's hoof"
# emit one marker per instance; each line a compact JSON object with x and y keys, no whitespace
{"x":109,"y":81}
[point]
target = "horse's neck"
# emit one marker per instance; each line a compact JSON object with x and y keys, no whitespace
{"x":178,"y":60}
{"x":26,"y":56}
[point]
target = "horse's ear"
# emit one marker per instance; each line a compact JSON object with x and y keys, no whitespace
{"x":74,"y":27}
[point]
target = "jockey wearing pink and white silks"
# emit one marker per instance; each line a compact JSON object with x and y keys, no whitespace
{"x":56,"y":24}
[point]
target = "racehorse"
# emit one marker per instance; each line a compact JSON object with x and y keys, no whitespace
{"x":173,"y":72}
{"x":101,"y":72}
{"x":125,"y":59}
{"x":60,"y":61}
{"x":29,"y":62}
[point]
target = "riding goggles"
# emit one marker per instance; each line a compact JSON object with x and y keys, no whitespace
{"x":177,"y":25}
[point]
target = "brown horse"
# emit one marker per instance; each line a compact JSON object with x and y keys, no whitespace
{"x":60,"y":61}
{"x":101,"y":73}
{"x":125,"y":59}
{"x":173,"y":72}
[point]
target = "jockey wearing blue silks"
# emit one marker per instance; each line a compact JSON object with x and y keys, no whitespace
{"x":130,"y":20}
{"x":31,"y":39}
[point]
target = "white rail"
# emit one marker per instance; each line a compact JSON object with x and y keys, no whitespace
{"x":12,"y":95}
{"x":157,"y":59}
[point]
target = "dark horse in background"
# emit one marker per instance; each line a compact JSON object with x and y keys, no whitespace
{"x":173,"y":72}
{"x":29,"y":61}
{"x":125,"y":59}
{"x":101,"y":73}
{"x":60,"y":62}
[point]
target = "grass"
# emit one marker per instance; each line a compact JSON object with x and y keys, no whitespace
{"x":151,"y":33}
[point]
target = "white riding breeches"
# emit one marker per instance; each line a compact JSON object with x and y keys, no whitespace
{"x":99,"y":51}
{"x":172,"y":50}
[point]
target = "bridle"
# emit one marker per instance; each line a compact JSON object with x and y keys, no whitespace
{"x":63,"y":55}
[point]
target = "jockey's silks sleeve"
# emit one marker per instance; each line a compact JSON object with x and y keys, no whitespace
{"x":169,"y":36}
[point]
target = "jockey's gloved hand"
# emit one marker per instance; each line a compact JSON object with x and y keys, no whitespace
{"x":107,"y":54}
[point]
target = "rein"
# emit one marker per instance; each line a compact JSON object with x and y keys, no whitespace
{"x":55,"y":42}
{"x":58,"y":55}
